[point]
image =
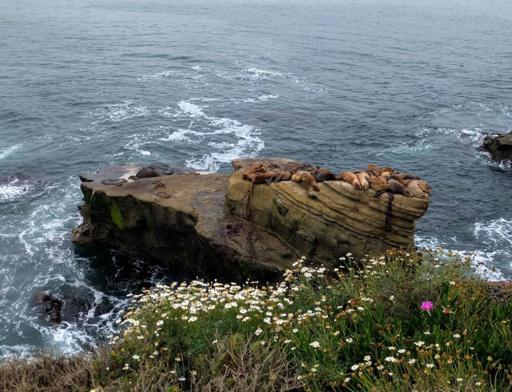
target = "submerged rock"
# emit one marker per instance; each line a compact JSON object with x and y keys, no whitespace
{"x":499,"y":146}
{"x":220,"y":225}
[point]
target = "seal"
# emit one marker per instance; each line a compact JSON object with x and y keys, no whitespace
{"x":397,"y":188}
{"x":376,"y":171}
{"x":363,"y":178}
{"x":114,"y":181}
{"x":253,"y":169}
{"x":424,"y":186}
{"x":306,"y":178}
{"x":322,"y":175}
{"x":392,"y":186}
{"x":351,"y":178}
{"x":378,"y":183}
{"x":415,"y":189}
{"x":269,"y":177}
{"x":146,"y":172}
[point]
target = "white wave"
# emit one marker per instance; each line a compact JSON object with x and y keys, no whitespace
{"x":156,"y":75}
{"x":472,"y":136}
{"x":5,"y":152}
{"x":196,"y":68}
{"x":121,"y":111}
{"x":257,"y":73}
{"x":496,"y":233}
{"x":191,"y":109}
{"x":482,"y":261}
{"x":136,"y":143}
{"x":261,"y":98}
{"x":14,"y":190}
{"x":213,"y":131}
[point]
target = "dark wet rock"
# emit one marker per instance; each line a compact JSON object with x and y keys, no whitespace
{"x":50,"y":306}
{"x":220,"y":225}
{"x":499,"y":146}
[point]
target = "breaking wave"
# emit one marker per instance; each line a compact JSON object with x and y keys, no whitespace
{"x":226,"y":138}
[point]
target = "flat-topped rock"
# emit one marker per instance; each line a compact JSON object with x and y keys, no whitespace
{"x":221,"y":225}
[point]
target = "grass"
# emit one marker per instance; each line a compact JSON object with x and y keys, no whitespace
{"x":359,"y":327}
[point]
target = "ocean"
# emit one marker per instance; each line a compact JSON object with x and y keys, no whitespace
{"x":196,"y":83}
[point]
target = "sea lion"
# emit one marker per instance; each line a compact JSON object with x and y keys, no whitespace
{"x":114,"y":181}
{"x":363,"y":178}
{"x":397,"y":188}
{"x":162,"y":169}
{"x":147,"y":172}
{"x":376,"y":171}
{"x":323,"y":175}
{"x":386,"y":173}
{"x":351,"y":178}
{"x":269,"y":177}
{"x":415,"y":189}
{"x":392,"y":186}
{"x":424,"y":186}
{"x":253,"y":169}
{"x":378,"y":183}
{"x":306,"y":178}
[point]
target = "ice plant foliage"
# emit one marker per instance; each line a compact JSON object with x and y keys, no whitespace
{"x":354,"y":327}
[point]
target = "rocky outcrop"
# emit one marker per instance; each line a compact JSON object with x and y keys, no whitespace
{"x":224,"y":225}
{"x":499,"y":146}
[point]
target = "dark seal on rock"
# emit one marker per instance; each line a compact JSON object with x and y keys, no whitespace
{"x":113,"y":181}
{"x":499,"y":146}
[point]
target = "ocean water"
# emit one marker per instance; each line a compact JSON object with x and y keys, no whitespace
{"x":89,"y":83}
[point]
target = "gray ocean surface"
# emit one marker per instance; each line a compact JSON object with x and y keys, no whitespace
{"x":88,"y":83}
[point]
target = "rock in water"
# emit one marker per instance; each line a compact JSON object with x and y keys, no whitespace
{"x":220,"y":225}
{"x":499,"y":146}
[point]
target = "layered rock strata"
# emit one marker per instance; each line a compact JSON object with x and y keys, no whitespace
{"x":219,"y":225}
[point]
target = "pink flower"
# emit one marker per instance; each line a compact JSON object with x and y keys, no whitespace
{"x":427,"y":306}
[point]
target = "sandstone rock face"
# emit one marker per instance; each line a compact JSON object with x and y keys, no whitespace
{"x":500,"y":147}
{"x":220,"y":225}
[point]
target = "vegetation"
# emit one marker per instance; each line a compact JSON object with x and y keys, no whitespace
{"x":399,"y":322}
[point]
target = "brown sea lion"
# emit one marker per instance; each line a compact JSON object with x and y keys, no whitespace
{"x":363,"y":178}
{"x":269,"y":177}
{"x":253,"y":169}
{"x":386,"y":173}
{"x":376,"y":171}
{"x":397,"y":188}
{"x":351,"y":178}
{"x":306,"y":178}
{"x":393,"y":186}
{"x":323,"y":175}
{"x":416,"y":190}
{"x":425,"y":186}
{"x":378,"y":183}
{"x":400,"y":179}
{"x":114,"y":181}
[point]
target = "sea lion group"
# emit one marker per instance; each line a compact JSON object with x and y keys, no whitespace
{"x":379,"y":179}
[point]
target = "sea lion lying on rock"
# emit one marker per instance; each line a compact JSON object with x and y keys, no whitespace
{"x":364,"y":179}
{"x":269,"y":177}
{"x":303,"y":177}
{"x":351,"y":178}
{"x":155,"y":169}
{"x":323,"y":175}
